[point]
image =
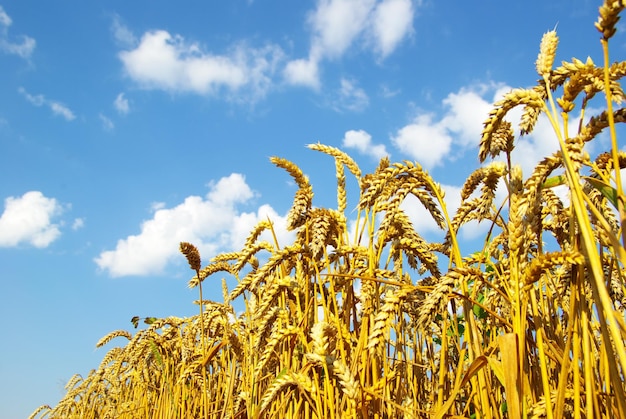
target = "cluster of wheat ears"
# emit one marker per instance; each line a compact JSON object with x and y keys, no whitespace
{"x":374,"y":321}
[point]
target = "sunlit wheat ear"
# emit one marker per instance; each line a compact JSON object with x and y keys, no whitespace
{"x":349,"y":385}
{"x":303,"y":199}
{"x":547,"y":261}
{"x":502,"y":139}
{"x":106,"y":339}
{"x":342,"y":199}
{"x":251,"y":281}
{"x":294,"y":171}
{"x":113,"y":355}
{"x":547,"y":52}
{"x":397,"y":228}
{"x":386,"y":317}
{"x":381,"y":189}
{"x":322,"y":333}
{"x":488,"y":176}
{"x":208,"y":271}
{"x":264,"y":325}
{"x":604,"y":162}
{"x":325,"y":227}
{"x":286,"y":379}
{"x":481,"y":207}
{"x":516,"y":97}
{"x":302,"y":204}
{"x":278,"y":335}
{"x":531,"y":113}
{"x":435,"y":302}
{"x":256,"y":232}
{"x":340,"y":156}
{"x":249,"y":251}
{"x":191,"y":253}
{"x":271,"y":293}
{"x":39,"y":410}
{"x":609,"y":16}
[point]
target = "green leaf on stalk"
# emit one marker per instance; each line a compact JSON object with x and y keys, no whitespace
{"x":554,"y":181}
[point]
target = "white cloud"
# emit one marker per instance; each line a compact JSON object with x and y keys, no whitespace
{"x":337,"y":25}
{"x":387,"y":92}
{"x":107,"y":124}
{"x":392,"y":22}
{"x":37,"y":100}
{"x":57,"y":108}
{"x":303,"y":72}
{"x":24,"y":48}
{"x":78,"y":223}
{"x":430,"y":141}
{"x":165,"y":62}
{"x":121,"y":104}
{"x":421,"y":218}
{"x":28,"y":219}
{"x":426,"y":226}
{"x":213,"y":223}
{"x":362,"y":142}
{"x":61,"y":110}
{"x":425,"y":141}
{"x":466,"y":114}
{"x":351,"y":97}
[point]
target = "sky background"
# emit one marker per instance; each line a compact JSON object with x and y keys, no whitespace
{"x":129,"y":126}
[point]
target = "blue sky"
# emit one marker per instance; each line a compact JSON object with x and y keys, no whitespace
{"x":128,"y":126}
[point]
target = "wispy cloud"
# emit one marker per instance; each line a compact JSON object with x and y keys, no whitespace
{"x":121,"y":104}
{"x":28,"y":219}
{"x":24,"y":47}
{"x":78,"y":224}
{"x":213,"y":223}
{"x":60,"y":109}
{"x":350,"y":97}
{"x":107,"y":124}
{"x":122,"y":34}
{"x":57,"y":108}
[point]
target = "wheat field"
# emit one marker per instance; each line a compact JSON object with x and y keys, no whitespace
{"x":360,"y":316}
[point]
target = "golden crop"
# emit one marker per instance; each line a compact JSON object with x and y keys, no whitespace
{"x":374,"y":321}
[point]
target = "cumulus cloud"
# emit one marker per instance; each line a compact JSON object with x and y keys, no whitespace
{"x":121,"y":104}
{"x":362,"y":142}
{"x":424,"y":140}
{"x":24,"y":47}
{"x":213,"y":223}
{"x":57,"y":108}
{"x":430,"y":140}
{"x":29,"y":219}
{"x":337,"y":25}
{"x":168,"y":62}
